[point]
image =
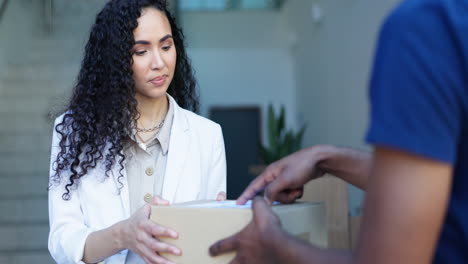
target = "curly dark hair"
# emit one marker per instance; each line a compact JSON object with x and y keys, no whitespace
{"x":103,"y":107}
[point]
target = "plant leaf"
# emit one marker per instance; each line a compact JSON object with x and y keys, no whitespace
{"x":272,"y":128}
{"x":281,"y":122}
{"x":300,"y":135}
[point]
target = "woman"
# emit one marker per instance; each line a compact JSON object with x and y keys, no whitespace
{"x":126,"y":141}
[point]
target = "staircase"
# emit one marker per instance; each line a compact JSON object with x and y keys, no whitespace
{"x":35,"y":80}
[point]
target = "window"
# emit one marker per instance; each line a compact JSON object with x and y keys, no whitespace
{"x":225,"y":5}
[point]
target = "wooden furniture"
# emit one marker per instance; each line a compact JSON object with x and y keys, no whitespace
{"x":343,"y":229}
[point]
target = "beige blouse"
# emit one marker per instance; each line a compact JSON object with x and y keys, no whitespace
{"x":146,"y":163}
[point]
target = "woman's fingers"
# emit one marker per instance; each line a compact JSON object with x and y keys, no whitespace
{"x":162,"y":247}
{"x":145,"y":236}
{"x":150,"y":256}
{"x":160,"y":260}
{"x":159,"y":231}
{"x":152,"y":244}
{"x":221,"y":196}
{"x":158,"y":200}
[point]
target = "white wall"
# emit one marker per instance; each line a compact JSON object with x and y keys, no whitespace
{"x":320,"y":71}
{"x":332,"y":61}
{"x":241,"y":58}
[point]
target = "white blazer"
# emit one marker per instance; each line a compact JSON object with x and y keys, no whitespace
{"x":196,"y":169}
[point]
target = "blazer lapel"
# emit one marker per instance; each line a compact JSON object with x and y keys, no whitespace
{"x":179,"y":146}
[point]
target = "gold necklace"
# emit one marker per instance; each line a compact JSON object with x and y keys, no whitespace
{"x":151,"y":129}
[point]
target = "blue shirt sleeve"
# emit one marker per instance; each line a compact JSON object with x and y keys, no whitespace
{"x":417,"y":83}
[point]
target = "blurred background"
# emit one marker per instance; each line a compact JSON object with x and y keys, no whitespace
{"x":312,"y":57}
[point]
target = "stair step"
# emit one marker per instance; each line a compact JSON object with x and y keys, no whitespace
{"x":25,"y":209}
{"x":58,"y":98}
{"x":25,"y":122}
{"x":41,"y":256}
{"x":62,"y":71}
{"x":30,"y":87}
{"x":18,"y":104}
{"x":24,"y":164}
{"x":26,"y":151}
{"x":24,"y":237}
{"x":24,"y":186}
{"x":59,"y":77}
{"x":23,"y":147}
{"x":71,"y":39}
{"x":28,"y":117}
{"x":16,"y":65}
{"x":33,"y":142}
{"x":47,"y":55}
{"x":27,"y":176}
{"x":19,"y":90}
{"x":40,"y":115}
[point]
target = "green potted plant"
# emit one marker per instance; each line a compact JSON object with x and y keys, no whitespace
{"x":281,"y":142}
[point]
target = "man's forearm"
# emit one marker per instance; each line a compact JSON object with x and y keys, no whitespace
{"x":352,"y":166}
{"x":297,"y":251}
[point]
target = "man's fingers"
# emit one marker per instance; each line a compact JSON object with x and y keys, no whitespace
{"x":283,"y":183}
{"x":289,"y":196}
{"x":260,"y":183}
{"x":235,"y":261}
{"x":273,"y":189}
{"x":261,"y":209}
{"x":254,"y":187}
{"x":263,"y":215}
{"x":225,"y":245}
{"x":285,"y":198}
{"x":259,"y":206}
{"x":297,"y":193}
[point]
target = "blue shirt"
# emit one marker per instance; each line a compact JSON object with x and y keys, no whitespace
{"x":419,"y":100}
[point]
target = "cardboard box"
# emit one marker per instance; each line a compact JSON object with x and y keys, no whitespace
{"x":202,"y":223}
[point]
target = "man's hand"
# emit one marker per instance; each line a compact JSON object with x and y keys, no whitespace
{"x":284,"y":180}
{"x":258,"y":240}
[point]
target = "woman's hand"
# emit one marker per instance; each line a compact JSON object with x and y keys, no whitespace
{"x":221,"y":196}
{"x":140,"y":235}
